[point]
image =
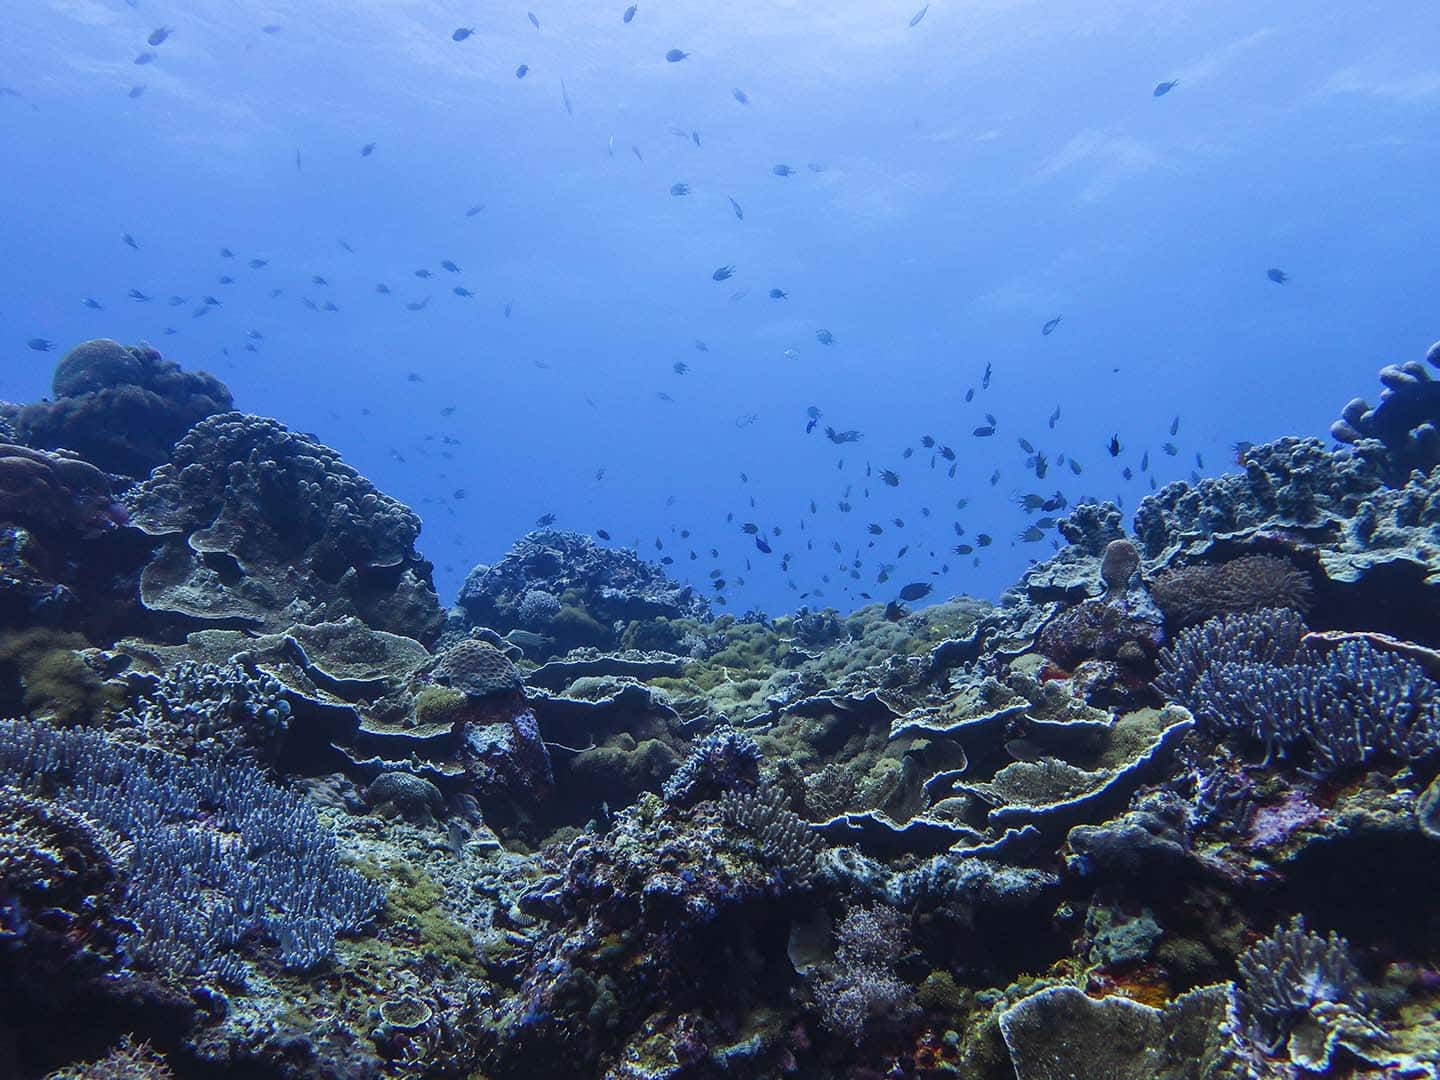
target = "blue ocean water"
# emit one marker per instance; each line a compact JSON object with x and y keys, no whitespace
{"x":957,"y":180}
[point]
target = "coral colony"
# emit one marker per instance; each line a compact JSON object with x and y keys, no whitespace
{"x":1167,"y":812}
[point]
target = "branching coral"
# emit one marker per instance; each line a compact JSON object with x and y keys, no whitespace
{"x":719,"y":761}
{"x":786,"y":840}
{"x":1249,"y":675}
{"x":219,"y":853}
{"x":1284,"y":976}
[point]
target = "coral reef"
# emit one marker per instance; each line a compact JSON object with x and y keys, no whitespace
{"x":565,"y":587}
{"x":262,"y":527}
{"x":121,"y":408}
{"x":251,"y":824}
{"x":1405,"y":420}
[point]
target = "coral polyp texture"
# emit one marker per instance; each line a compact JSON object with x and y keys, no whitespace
{"x":1168,"y":811}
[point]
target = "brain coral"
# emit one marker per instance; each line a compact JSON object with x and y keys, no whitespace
{"x":476,"y":669}
{"x":123,"y":408}
{"x":264,"y":526}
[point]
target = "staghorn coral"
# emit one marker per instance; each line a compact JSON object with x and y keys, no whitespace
{"x":785,"y":839}
{"x":264,"y":527}
{"x":1249,"y":675}
{"x":123,"y":409}
{"x":219,"y":855}
{"x":1192,"y":594}
{"x":1283,"y":977}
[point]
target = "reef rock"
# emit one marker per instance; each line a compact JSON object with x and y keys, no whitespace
{"x":263,"y":527}
{"x":122,"y":408}
{"x":565,"y":587}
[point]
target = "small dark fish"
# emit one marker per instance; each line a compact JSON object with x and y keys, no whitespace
{"x":723,"y":273}
{"x":446,"y":264}
{"x":894,"y":611}
{"x":825,"y":337}
{"x":1199,"y":460}
{"x":891,"y":478}
{"x":1025,"y":445}
{"x":522,"y":71}
{"x":984,"y":539}
{"x":92,"y":303}
{"x":40,"y":344}
{"x":985,"y":382}
{"x":544,"y":521}
{"x":382,"y":289}
{"x":271,"y":28}
{"x":259,"y":264}
{"x":508,"y":307}
{"x":474,"y":209}
{"x":345,"y":245}
{"x":680,"y":367}
{"x":761,"y":543}
{"x":159,"y":35}
{"x":695,"y":137}
{"x":1161,"y":89}
{"x":1170,"y":449}
{"x":779,"y":294}
{"x":140,"y":297}
{"x":1113,"y":446}
{"x":146,"y":57}
{"x":534,"y":21}
{"x":679,"y":189}
{"x":367,"y":149}
{"x":1049,"y":327}
{"x":417,"y":305}
{"x":1175,"y":426}
{"x":875,"y":528}
{"x":782,"y":170}
{"x":1145,"y":461}
{"x":740,"y":96}
{"x":629,"y":13}
{"x":638,"y":156}
{"x":963,"y":549}
{"x":1075,"y":467}
{"x":916,"y":590}
{"x":460,"y":290}
{"x":1055,"y":416}
{"x":602,"y":534}
{"x":461,"y":33}
{"x":129,"y":241}
{"x":226,"y":279}
{"x":947,"y":453}
{"x":736,"y":207}
{"x":984,"y":431}
{"x":676,"y":55}
{"x":842,"y":436}
{"x":136,"y":91}
{"x":1032,"y":535}
{"x":1278,"y":276}
{"x":700,"y":346}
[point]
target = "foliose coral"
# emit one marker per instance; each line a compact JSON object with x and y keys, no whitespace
{"x":263,"y":526}
{"x":122,"y":408}
{"x":1251,"y":675}
{"x":218,"y":854}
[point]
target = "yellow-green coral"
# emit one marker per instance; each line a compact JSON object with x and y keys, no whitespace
{"x":413,"y":898}
{"x":55,"y":683}
{"x":437,"y":704}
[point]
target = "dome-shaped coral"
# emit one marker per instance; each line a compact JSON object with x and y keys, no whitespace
{"x":476,"y":669}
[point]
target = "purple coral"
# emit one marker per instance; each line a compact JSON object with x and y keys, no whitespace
{"x":722,"y":760}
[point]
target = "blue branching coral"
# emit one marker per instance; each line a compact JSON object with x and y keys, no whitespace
{"x":1251,"y":676}
{"x":1284,"y":976}
{"x":217,"y":854}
